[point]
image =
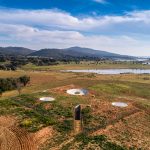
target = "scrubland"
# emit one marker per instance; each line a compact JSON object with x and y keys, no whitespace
{"x":104,"y":126}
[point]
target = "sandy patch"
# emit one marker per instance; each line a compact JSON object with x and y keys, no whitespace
{"x":13,"y":137}
{"x":43,"y":135}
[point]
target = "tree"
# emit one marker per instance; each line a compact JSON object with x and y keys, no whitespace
{"x":19,"y":86}
{"x":24,"y":80}
{"x":1,"y":92}
{"x":7,"y":84}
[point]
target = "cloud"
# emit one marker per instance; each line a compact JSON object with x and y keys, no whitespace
{"x":134,"y":22}
{"x":21,"y":35}
{"x":127,"y":34}
{"x":100,"y":1}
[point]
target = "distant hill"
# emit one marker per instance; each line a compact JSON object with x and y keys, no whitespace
{"x":15,"y":51}
{"x":54,"y":53}
{"x":57,"y":53}
{"x":92,"y":52}
{"x":75,"y":52}
{"x":72,"y":52}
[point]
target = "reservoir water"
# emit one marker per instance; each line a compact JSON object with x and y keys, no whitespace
{"x":114,"y":71}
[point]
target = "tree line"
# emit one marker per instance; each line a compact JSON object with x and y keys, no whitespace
{"x":14,"y":62}
{"x":7,"y":84}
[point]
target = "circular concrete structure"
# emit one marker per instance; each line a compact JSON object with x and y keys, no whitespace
{"x":44,"y":91}
{"x":47,"y":99}
{"x":119,"y":104}
{"x":77,"y":92}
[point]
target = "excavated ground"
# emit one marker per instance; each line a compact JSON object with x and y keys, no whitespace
{"x":13,"y":137}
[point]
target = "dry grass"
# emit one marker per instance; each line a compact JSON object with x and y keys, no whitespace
{"x":122,"y":125}
{"x":130,"y":131}
{"x":88,"y":65}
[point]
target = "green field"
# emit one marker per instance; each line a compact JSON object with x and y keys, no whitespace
{"x":89,"y":65}
{"x":105,"y":126}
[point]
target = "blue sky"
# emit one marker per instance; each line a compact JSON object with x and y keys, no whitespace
{"x":120,"y":26}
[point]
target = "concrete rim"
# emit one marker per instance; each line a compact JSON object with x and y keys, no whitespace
{"x":120,"y":104}
{"x":47,"y":99}
{"x":77,"y":91}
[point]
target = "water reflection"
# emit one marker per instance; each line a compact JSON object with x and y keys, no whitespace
{"x":114,"y":71}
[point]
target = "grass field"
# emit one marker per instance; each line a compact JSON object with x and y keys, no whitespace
{"x":105,"y":126}
{"x":88,"y":65}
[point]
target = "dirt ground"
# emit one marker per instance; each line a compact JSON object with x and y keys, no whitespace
{"x":13,"y":137}
{"x":129,"y":126}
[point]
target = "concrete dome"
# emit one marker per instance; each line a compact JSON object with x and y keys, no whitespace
{"x":47,"y":99}
{"x":120,"y":104}
{"x":77,"y":92}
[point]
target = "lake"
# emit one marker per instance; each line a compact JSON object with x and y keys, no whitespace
{"x":113,"y":71}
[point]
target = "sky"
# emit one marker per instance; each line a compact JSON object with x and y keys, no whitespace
{"x":118,"y":26}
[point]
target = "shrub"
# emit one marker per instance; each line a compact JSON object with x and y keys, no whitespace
{"x":7,"y":84}
{"x":26,"y":123}
{"x":101,"y":140}
{"x":65,"y":126}
{"x":86,"y":114}
{"x":24,"y":80}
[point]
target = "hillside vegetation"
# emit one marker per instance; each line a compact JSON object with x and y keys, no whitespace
{"x":105,"y":126}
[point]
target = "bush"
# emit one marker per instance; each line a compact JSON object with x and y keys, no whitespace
{"x":7,"y":84}
{"x":112,"y":146}
{"x":65,"y":126}
{"x":146,"y":78}
{"x":101,"y":140}
{"x":47,"y":120}
{"x":24,"y":80}
{"x":86,"y":114}
{"x":26,"y":123}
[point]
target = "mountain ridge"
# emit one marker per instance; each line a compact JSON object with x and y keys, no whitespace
{"x":56,"y":53}
{"x":15,"y":51}
{"x":76,"y":52}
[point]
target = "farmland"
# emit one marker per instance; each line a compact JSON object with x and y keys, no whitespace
{"x":107,"y":64}
{"x":49,"y":125}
